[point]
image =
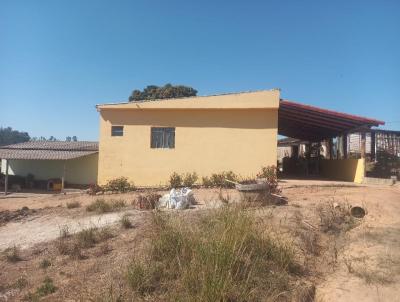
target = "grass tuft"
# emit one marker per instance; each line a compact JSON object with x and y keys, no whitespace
{"x":73,"y":204}
{"x":13,"y":254}
{"x":102,"y":206}
{"x":126,"y":222}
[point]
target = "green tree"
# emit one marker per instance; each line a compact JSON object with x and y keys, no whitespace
{"x":168,"y":91}
{"x":9,"y":136}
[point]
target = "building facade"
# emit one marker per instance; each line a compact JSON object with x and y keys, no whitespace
{"x":148,"y":141}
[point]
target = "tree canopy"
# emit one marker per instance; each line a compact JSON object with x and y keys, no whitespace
{"x":9,"y":136}
{"x":168,"y":91}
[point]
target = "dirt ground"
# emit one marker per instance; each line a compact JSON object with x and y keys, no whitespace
{"x":365,"y":262}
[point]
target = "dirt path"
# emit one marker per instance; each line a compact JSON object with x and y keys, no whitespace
{"x":36,"y":229}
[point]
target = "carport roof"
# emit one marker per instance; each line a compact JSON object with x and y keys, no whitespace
{"x":315,"y":124}
{"x":47,"y":150}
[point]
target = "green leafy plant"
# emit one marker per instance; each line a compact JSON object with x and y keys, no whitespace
{"x":189,"y":179}
{"x":119,"y":185}
{"x":175,"y":180}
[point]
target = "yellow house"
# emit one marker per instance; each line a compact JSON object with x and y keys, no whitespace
{"x":147,"y":141}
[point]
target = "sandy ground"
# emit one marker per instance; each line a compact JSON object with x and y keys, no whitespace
{"x":37,"y":229}
{"x":368,"y":262}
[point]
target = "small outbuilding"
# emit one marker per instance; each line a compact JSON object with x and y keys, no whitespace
{"x":72,"y":163}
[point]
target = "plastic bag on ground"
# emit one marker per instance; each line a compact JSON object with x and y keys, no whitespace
{"x":177,"y":199}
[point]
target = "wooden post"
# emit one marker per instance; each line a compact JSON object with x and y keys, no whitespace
{"x":6,"y":179}
{"x":345,"y":145}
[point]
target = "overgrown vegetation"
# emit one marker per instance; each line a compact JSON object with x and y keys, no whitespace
{"x":335,"y":217}
{"x":119,"y":185}
{"x":87,"y":238}
{"x":225,"y":256}
{"x":101,"y":205}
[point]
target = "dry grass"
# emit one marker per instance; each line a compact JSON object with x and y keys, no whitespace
{"x":45,"y":263}
{"x":225,"y":256}
{"x":13,"y":254}
{"x":101,"y":205}
{"x":73,"y":204}
{"x":126,"y":222}
{"x":335,"y":217}
{"x":45,"y":289}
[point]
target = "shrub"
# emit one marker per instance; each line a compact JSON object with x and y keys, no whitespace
{"x":94,"y":189}
{"x":13,"y":254}
{"x":45,"y":263}
{"x":147,"y":201}
{"x":224,"y":256}
{"x":269,"y":174}
{"x":119,"y":185}
{"x":189,"y":179}
{"x":219,"y":179}
{"x":175,"y":180}
{"x":73,"y":204}
{"x":206,"y":181}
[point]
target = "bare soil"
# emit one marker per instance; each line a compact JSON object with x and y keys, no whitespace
{"x":362,"y":264}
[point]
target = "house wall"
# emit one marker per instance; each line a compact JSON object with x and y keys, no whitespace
{"x":206,"y":141}
{"x":343,"y":169}
{"x":81,"y":170}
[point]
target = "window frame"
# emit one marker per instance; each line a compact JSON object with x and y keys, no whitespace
{"x":119,"y":133}
{"x":167,"y":135}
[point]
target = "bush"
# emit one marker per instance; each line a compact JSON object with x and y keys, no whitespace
{"x":219,"y":180}
{"x":224,"y":256}
{"x":119,"y":185}
{"x":189,"y":179}
{"x":206,"y":181}
{"x":175,"y":180}
{"x":269,"y":174}
{"x":73,"y":204}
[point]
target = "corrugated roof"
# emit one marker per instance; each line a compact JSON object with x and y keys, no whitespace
{"x":314,"y":124}
{"x":46,"y":150}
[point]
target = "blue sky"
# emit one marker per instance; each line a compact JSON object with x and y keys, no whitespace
{"x":60,"y":58}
